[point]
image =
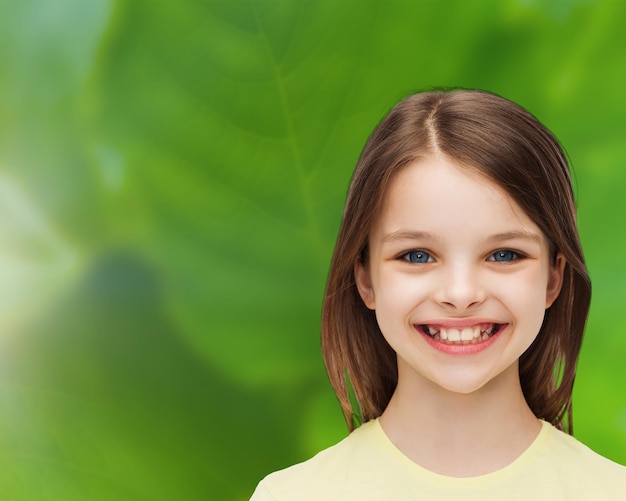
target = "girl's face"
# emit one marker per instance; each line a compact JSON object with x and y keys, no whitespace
{"x":458,"y":275}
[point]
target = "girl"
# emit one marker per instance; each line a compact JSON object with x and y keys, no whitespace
{"x":453,"y":316}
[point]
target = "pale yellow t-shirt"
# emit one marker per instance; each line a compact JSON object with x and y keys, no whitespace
{"x":367,"y":466}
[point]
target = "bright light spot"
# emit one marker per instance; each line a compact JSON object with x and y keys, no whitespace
{"x":34,"y":259}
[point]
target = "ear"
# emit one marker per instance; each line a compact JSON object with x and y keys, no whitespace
{"x":364,"y":284}
{"x":555,"y":279}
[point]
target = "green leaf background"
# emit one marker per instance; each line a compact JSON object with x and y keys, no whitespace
{"x":171,"y":182}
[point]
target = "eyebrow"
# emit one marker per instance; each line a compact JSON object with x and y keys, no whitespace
{"x":399,"y":235}
{"x":407,"y":235}
{"x":516,"y":235}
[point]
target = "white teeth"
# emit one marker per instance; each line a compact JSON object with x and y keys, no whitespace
{"x":453,"y":334}
{"x":466,"y":335}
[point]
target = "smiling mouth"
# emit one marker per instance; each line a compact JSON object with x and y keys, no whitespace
{"x":467,"y":335}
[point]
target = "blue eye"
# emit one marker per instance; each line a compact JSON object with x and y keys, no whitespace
{"x":504,"y":256}
{"x":418,"y":257}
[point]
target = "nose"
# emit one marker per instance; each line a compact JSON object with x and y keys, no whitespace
{"x":460,"y":288}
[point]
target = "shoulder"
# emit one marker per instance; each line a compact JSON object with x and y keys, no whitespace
{"x":570,"y":457}
{"x":317,"y":478}
{"x":563,"y":444}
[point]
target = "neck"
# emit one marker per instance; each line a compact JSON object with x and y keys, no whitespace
{"x":461,"y":435}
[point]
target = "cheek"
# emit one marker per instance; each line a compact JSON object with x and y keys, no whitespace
{"x":526,"y":296}
{"x":398,"y":288}
{"x":396,"y":297}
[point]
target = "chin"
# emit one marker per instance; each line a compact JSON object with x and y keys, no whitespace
{"x":465,"y":389}
{"x":464,"y":383}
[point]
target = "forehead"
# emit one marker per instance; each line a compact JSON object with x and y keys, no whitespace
{"x":441,"y":196}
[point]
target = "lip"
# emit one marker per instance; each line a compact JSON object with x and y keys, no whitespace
{"x":460,"y":323}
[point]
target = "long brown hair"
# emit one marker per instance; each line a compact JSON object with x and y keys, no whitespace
{"x":504,"y":142}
